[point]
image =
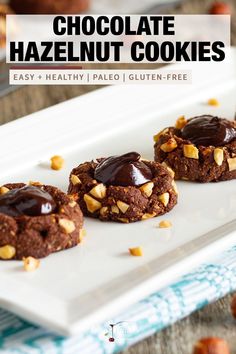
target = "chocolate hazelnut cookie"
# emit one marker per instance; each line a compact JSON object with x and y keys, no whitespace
{"x":200,"y":149}
{"x":123,"y":188}
{"x":36,"y":220}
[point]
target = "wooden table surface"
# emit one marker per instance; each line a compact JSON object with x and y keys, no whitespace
{"x":213,"y":320}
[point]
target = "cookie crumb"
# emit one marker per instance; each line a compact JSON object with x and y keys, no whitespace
{"x":30,"y":264}
{"x":213,"y":102}
{"x":57,"y":162}
{"x":164,"y":224}
{"x":136,"y":251}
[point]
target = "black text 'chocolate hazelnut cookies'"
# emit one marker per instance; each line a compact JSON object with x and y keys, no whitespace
{"x":36,"y":220}
{"x":199,"y":149}
{"x":123,"y":188}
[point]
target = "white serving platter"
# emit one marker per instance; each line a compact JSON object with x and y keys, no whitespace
{"x":75,"y":289}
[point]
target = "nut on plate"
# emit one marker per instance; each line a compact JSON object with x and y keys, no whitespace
{"x":164,"y":224}
{"x":30,"y":264}
{"x":57,"y":162}
{"x":213,"y":102}
{"x":136,"y":251}
{"x":211,"y":345}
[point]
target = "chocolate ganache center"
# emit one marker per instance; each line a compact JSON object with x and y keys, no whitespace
{"x":124,"y":170}
{"x":28,"y":200}
{"x":207,"y":130}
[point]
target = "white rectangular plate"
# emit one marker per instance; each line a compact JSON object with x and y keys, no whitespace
{"x":74,"y":289}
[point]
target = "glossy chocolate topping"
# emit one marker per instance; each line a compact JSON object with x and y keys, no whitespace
{"x":208,"y":130}
{"x":28,"y":200}
{"x":124,"y":170}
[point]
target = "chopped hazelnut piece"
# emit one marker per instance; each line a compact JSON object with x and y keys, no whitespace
{"x":124,"y":220}
{"x":157,"y":136}
{"x":174,"y":185}
{"x":99,"y":191}
{"x":91,"y":203}
{"x":67,"y":225}
{"x":82,"y":234}
{"x":122,"y":206}
{"x":136,"y":251}
{"x":7,"y":252}
{"x":57,"y":162}
{"x":104,"y":211}
{"x":164,"y":198}
{"x":75,"y":180}
{"x":30,"y":264}
{"x":169,"y":146}
{"x":213,"y":102}
{"x":181,"y":122}
{"x":147,"y":188}
{"x":35,"y":183}
{"x":115,"y":209}
{"x":148,"y":216}
{"x":4,"y":190}
{"x":219,"y":156}
{"x":165,"y":224}
{"x":190,"y":151}
{"x":232,"y":164}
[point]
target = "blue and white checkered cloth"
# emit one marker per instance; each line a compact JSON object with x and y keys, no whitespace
{"x":206,"y":284}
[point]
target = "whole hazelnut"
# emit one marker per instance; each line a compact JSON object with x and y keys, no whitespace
{"x":211,"y":345}
{"x":220,"y":8}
